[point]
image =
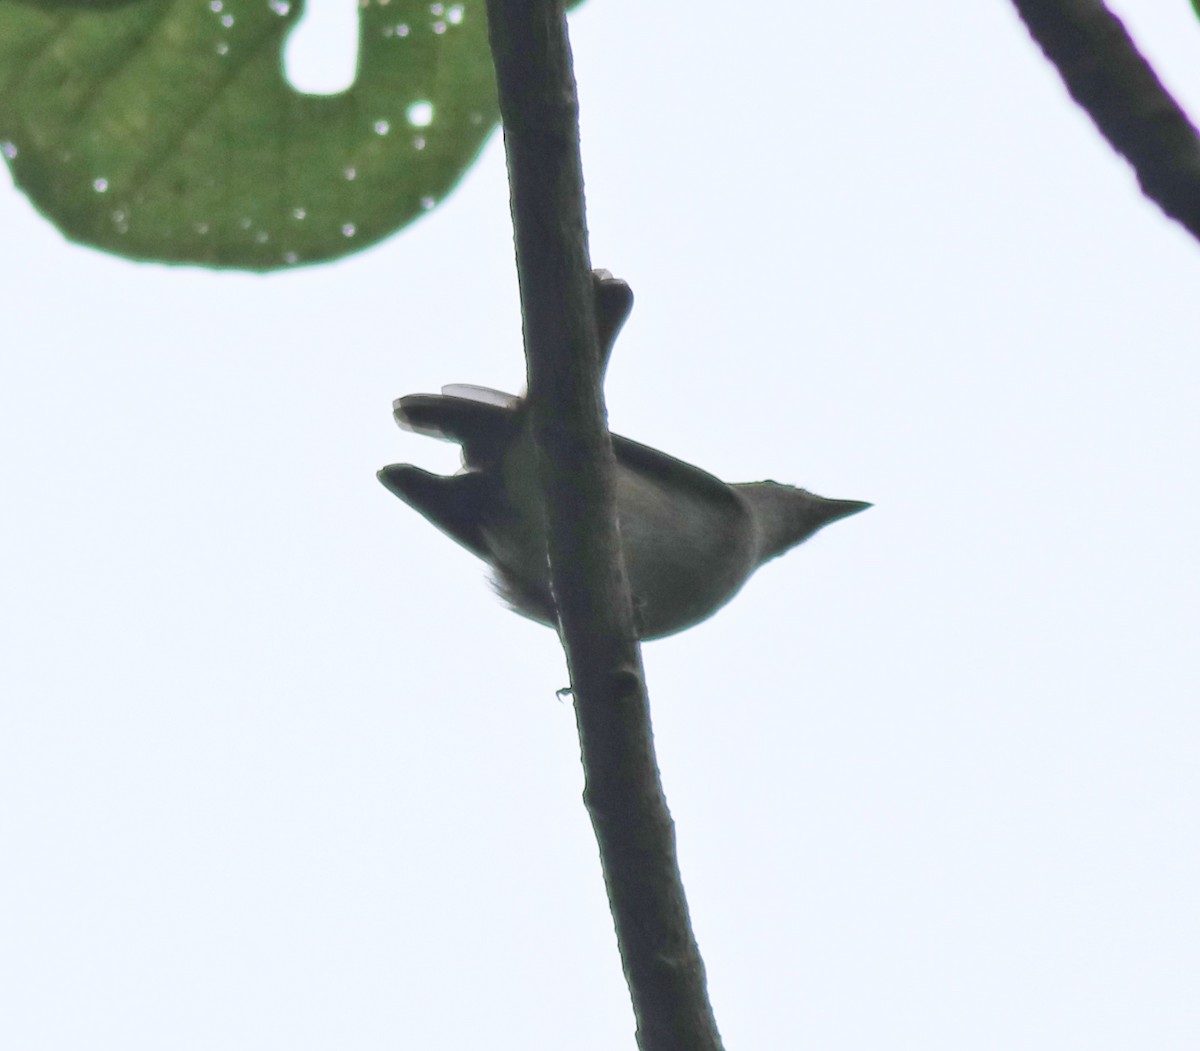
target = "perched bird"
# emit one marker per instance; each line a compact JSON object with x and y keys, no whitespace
{"x":690,"y":540}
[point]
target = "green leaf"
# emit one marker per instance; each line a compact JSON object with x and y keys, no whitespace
{"x":165,"y":129}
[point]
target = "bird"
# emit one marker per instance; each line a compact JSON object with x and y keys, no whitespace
{"x":690,"y":541}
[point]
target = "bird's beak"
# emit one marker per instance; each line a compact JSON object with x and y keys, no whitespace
{"x":831,"y":510}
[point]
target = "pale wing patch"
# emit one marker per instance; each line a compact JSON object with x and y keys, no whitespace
{"x":487,"y":395}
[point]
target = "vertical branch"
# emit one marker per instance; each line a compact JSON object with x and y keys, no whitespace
{"x":1108,"y":77}
{"x":623,"y":792}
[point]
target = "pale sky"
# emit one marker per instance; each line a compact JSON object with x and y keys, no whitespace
{"x":278,"y":772}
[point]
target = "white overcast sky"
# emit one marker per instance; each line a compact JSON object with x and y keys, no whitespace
{"x":279,"y":773}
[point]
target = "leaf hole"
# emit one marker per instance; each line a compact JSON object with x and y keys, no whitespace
{"x":320,"y":55}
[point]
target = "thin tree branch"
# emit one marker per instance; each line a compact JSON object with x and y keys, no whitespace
{"x":623,"y":792}
{"x":1108,"y":77}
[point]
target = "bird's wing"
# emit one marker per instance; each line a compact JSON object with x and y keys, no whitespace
{"x":683,"y":478}
{"x":456,"y":505}
{"x":484,"y":429}
{"x":483,"y":421}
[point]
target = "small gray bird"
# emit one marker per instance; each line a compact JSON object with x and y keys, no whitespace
{"x":690,"y":540}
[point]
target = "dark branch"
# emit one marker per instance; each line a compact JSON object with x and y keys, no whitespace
{"x":1107,"y":76}
{"x":623,"y":792}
